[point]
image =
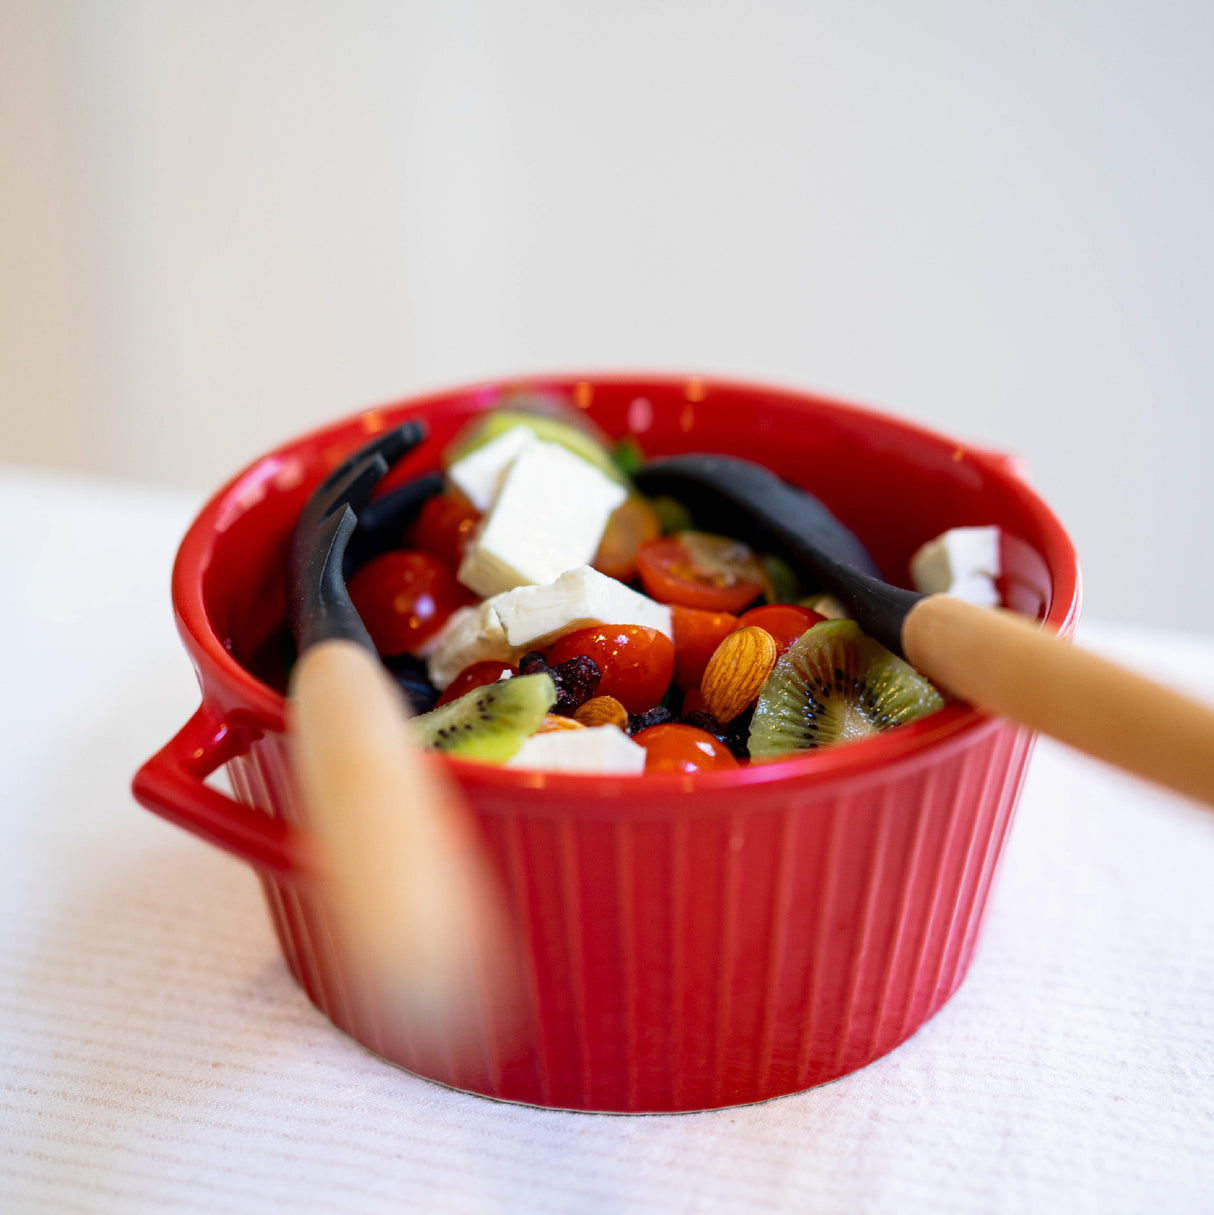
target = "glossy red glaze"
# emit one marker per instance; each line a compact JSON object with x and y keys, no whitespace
{"x":693,"y":941}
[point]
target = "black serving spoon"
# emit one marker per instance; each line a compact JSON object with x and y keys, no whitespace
{"x":738,"y":498}
{"x":996,"y":660}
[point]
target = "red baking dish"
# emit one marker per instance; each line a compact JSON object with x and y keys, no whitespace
{"x":690,"y":942}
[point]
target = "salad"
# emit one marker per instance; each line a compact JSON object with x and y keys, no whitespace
{"x":540,"y":611}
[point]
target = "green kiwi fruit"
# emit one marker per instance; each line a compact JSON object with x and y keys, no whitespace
{"x":835,"y":684}
{"x":574,"y":436}
{"x":489,"y":723}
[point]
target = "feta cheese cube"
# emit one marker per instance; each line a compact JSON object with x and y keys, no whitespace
{"x":535,"y":615}
{"x":549,"y":516}
{"x":963,"y":562}
{"x":470,"y":634}
{"x":479,"y":475}
{"x":978,"y":589}
{"x":508,"y":625}
{"x":604,"y":750}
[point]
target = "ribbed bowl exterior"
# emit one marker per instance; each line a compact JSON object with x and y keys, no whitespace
{"x":718,"y":952}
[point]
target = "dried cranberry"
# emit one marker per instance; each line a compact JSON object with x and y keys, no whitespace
{"x":659,"y":715}
{"x":533,"y":663}
{"x":576,"y":680}
{"x":737,"y":734}
{"x":704,"y":721}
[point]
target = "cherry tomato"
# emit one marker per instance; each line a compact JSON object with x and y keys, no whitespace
{"x":784,"y":621}
{"x":696,"y":634}
{"x":443,"y":527}
{"x":404,"y":597}
{"x":636,"y":662}
{"x":633,"y":523}
{"x":697,"y":570}
{"x":675,"y":747}
{"x":478,"y":675}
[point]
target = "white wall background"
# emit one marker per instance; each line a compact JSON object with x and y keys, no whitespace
{"x":227,"y":221}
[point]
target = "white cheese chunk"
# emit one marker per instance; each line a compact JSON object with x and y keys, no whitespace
{"x":979,"y":589}
{"x":963,"y":562}
{"x":535,"y":615}
{"x":549,"y":516}
{"x":596,"y":749}
{"x":470,"y":634}
{"x":508,"y":625}
{"x":479,"y":475}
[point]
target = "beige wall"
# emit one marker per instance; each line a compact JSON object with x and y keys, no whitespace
{"x":41,"y":407}
{"x":235,"y":219}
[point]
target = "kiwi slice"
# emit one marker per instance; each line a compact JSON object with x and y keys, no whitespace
{"x":835,"y":684}
{"x":489,"y":723}
{"x":572,"y":436}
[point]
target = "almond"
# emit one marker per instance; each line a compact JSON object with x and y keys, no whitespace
{"x":603,"y":711}
{"x":736,"y":671}
{"x":555,"y":721}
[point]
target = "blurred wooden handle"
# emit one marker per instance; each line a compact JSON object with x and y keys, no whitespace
{"x":1005,"y":664}
{"x":397,"y":854}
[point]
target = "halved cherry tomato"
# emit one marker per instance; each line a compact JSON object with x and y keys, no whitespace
{"x":477,"y":675}
{"x":697,"y":634}
{"x":698,"y":570}
{"x":784,"y":621}
{"x":636,"y":662}
{"x":631,"y":525}
{"x":675,"y":747}
{"x":404,"y":597}
{"x":443,"y":527}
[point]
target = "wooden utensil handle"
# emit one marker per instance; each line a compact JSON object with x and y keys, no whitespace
{"x":1005,"y":664}
{"x":398,"y":857}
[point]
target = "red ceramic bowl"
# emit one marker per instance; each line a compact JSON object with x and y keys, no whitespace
{"x":691,"y":941}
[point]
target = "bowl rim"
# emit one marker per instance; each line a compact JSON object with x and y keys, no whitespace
{"x":264,"y":710}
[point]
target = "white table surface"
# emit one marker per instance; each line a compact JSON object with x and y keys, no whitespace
{"x":155,"y":1055}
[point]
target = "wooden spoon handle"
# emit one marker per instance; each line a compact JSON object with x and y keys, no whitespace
{"x":414,"y":904}
{"x":1005,"y":664}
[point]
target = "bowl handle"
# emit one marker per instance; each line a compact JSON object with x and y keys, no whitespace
{"x":171,"y":784}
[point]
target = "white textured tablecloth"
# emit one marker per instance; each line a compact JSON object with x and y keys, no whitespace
{"x":155,"y":1055}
